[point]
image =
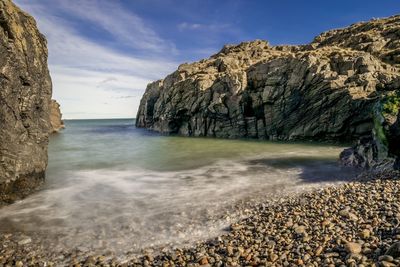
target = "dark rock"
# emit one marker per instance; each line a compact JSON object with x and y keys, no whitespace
{"x":394,"y":250}
{"x":363,"y":154}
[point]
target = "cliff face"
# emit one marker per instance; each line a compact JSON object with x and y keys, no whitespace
{"x":326,"y":90}
{"x":55,"y":117}
{"x":25,"y":99}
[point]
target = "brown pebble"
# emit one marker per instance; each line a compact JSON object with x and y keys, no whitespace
{"x":353,"y":248}
{"x":203,"y":261}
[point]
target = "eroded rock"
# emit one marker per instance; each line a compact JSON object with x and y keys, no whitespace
{"x":326,"y":90}
{"x":25,"y":100}
{"x":56,"y":121}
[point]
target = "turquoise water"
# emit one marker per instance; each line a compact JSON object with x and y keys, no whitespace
{"x":111,"y":186}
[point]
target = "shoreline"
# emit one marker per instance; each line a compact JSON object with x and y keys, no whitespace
{"x":351,"y":224}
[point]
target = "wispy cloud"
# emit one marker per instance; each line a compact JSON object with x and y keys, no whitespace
{"x":87,"y":74}
{"x":199,"y":26}
{"x":125,"y":26}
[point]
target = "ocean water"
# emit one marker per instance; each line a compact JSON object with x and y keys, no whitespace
{"x":113,"y":187}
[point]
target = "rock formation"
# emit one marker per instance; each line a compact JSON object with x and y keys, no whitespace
{"x":55,"y":117}
{"x":326,"y":90}
{"x":25,"y":102}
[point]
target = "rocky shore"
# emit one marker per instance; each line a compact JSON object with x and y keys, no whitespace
{"x":352,"y":224}
{"x":251,"y":90}
{"x":343,"y":86}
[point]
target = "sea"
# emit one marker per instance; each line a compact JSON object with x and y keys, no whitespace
{"x":113,"y":187}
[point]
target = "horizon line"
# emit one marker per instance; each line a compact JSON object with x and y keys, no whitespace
{"x":100,"y":119}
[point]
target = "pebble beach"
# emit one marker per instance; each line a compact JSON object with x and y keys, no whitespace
{"x":351,"y":224}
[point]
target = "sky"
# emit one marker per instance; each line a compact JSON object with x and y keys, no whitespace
{"x":102,"y":53}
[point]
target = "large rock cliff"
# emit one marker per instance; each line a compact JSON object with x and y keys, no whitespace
{"x":25,"y":99}
{"x":326,"y":90}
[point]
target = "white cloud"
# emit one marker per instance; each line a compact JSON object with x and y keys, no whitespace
{"x":84,"y":94}
{"x":87,"y":74}
{"x":125,"y":26}
{"x":207,"y":27}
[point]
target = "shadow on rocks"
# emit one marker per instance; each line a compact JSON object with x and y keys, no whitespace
{"x":311,"y":170}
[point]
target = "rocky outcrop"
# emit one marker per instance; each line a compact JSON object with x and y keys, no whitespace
{"x":326,"y":90}
{"x":381,"y":148}
{"x":25,"y":101}
{"x":56,"y":121}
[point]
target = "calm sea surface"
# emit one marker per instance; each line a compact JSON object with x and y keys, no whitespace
{"x":112,"y":187}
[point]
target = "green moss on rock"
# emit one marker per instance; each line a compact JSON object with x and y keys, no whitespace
{"x":380,"y":131}
{"x":391,"y":104}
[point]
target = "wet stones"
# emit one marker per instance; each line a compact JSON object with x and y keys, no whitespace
{"x":311,"y":229}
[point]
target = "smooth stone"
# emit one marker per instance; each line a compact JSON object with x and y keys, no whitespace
{"x":300,"y":229}
{"x":25,"y":241}
{"x":394,"y":250}
{"x":353,"y":248}
{"x":364,"y":234}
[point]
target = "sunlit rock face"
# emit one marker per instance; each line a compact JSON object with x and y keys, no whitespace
{"x":25,"y":100}
{"x":56,"y":121}
{"x":326,"y":90}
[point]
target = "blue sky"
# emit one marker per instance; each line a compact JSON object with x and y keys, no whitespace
{"x":102,"y":53}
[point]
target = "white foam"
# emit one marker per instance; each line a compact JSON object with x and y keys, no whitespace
{"x":115,"y":209}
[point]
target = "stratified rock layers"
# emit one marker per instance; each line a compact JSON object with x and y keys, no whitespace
{"x":326,"y":90}
{"x":25,"y":98}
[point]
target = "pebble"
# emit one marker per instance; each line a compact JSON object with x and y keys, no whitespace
{"x":318,"y":251}
{"x":386,"y":258}
{"x":394,"y":250}
{"x":353,"y":248}
{"x":25,"y":241}
{"x":300,"y":229}
{"x":203,"y":261}
{"x":364,"y":234}
{"x":352,"y":224}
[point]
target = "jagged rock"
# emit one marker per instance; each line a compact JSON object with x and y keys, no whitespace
{"x":380,"y":149}
{"x":56,"y":121}
{"x":25,"y":99}
{"x":363,"y":154}
{"x":326,"y":90}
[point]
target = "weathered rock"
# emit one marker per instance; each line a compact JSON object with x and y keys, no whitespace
{"x":326,"y":90}
{"x":364,"y":154}
{"x":56,"y":121}
{"x":25,"y":98}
